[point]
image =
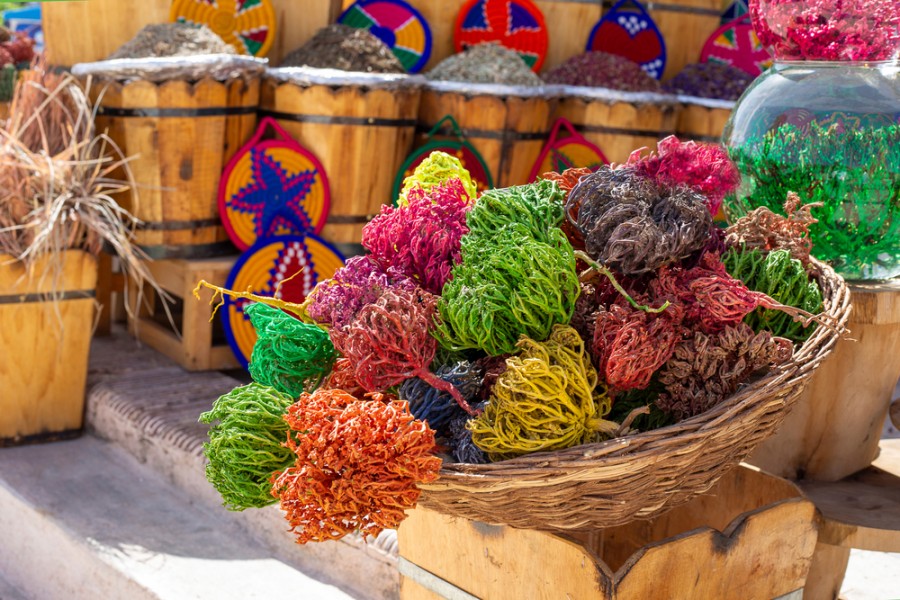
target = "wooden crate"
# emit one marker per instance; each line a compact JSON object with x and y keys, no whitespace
{"x":703,"y":120}
{"x":191,"y":343}
{"x":751,"y":537}
{"x":45,"y":344}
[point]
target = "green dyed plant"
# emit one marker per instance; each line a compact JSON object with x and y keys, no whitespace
{"x":289,"y":355}
{"x":854,"y":172}
{"x":537,"y":206}
{"x":507,"y":285}
{"x":782,"y":278}
{"x":246,"y":444}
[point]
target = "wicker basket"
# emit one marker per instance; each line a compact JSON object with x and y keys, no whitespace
{"x":644,"y":475}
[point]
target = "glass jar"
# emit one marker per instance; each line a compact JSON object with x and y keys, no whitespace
{"x":828,"y":128}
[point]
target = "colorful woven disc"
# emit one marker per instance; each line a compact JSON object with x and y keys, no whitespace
{"x":628,"y":30}
{"x":567,"y":150}
{"x":262,"y":268}
{"x":397,"y":24}
{"x":515,"y":24}
{"x":736,"y":44}
{"x":248,"y":25}
{"x":736,"y":9}
{"x":272,"y":187}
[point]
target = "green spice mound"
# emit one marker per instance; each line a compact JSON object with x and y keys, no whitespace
{"x":173,"y":39}
{"x":782,"y":278}
{"x":246,"y":445}
{"x":485,"y":63}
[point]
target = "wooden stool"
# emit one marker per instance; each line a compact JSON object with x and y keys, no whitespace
{"x":835,"y":428}
{"x":834,"y":431}
{"x":191,"y":342}
{"x":751,"y":537}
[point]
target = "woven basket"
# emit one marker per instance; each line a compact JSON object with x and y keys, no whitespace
{"x":640,"y":476}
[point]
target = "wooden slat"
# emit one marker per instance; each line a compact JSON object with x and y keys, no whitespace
{"x":751,"y":537}
{"x":834,"y":429}
{"x":863,"y":510}
{"x":191,"y":346}
{"x":45,"y":346}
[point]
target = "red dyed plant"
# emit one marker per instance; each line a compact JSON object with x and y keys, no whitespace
{"x":630,"y":345}
{"x":705,"y":168}
{"x":390,"y":341}
{"x":358,"y":465}
{"x":711,"y":298}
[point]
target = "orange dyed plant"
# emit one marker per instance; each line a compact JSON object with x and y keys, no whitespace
{"x":358,"y":463}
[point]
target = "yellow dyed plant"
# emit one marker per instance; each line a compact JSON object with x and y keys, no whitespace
{"x":549,"y":398}
{"x":438,"y":168}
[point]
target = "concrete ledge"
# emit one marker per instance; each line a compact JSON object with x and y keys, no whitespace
{"x":118,"y":530}
{"x":149,"y":406}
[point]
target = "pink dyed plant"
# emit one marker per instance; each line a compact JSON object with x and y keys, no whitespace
{"x":705,"y":168}
{"x":828,"y":30}
{"x":359,"y":282}
{"x":421,"y":240}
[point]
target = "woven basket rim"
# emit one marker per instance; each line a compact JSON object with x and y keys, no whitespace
{"x":836,"y":304}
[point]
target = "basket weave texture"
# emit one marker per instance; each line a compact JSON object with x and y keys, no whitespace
{"x":639,"y":476}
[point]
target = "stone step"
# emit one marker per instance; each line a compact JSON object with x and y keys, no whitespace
{"x":84,"y":520}
{"x":149,"y":406}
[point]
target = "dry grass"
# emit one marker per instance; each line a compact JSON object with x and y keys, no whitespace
{"x":59,"y":179}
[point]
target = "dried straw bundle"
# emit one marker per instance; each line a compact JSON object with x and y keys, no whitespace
{"x":59,"y":178}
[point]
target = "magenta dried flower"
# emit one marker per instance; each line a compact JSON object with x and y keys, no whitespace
{"x":828,"y":30}
{"x":359,"y":282}
{"x":421,"y":239}
{"x":705,"y":168}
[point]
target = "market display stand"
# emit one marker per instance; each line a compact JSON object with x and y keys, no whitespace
{"x":832,"y":436}
{"x":751,"y":537}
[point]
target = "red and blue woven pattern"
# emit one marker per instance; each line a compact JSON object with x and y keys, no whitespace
{"x":515,"y":24}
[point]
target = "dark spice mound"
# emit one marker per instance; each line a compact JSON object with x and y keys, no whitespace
{"x":346,"y":49}
{"x":710,"y":80}
{"x":173,"y":39}
{"x":601,"y":69}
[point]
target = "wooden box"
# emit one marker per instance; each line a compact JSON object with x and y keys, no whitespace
{"x":45,"y":334}
{"x":192,"y":342}
{"x":751,"y":537}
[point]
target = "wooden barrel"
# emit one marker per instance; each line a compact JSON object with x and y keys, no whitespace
{"x":79,"y":32}
{"x":182,"y":135}
{"x":618,"y":122}
{"x":702,"y":119}
{"x":46,"y":315}
{"x":359,"y":125}
{"x":507,"y":125}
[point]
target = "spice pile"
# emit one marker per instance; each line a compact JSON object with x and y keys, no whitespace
{"x":485,"y":63}
{"x":709,"y":80}
{"x":474,"y":331}
{"x":600,"y":69}
{"x":345,"y":49}
{"x":172,"y":39}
